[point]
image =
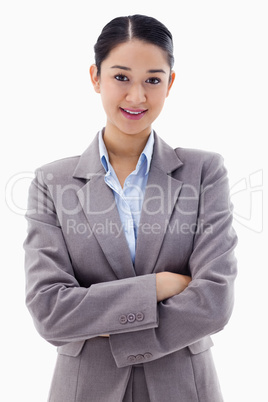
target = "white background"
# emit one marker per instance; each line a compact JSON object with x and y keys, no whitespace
{"x":49,"y":111}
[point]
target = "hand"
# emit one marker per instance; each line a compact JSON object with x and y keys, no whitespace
{"x":169,"y":284}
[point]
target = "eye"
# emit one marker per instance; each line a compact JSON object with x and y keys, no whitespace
{"x":153,"y":80}
{"x":121,"y":77}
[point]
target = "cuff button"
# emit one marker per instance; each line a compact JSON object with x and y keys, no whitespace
{"x":131,"y":359}
{"x":148,"y":355}
{"x":123,"y":319}
{"x":131,"y":317}
{"x":139,"y":358}
{"x":139,"y":316}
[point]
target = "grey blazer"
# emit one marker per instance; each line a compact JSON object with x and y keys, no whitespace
{"x":81,"y":283}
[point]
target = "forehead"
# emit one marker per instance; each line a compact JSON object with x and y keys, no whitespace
{"x":137,"y":54}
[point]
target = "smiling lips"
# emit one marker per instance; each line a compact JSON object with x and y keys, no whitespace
{"x":133,"y":114}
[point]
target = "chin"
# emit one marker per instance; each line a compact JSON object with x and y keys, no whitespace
{"x":133,"y":129}
{"x":137,"y":132}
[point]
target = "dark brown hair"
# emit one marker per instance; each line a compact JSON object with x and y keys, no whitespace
{"x":123,"y":29}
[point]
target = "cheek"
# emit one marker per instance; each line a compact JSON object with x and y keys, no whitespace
{"x":111,"y":95}
{"x":158,"y":98}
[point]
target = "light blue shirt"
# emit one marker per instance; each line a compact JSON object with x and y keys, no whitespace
{"x":130,"y":198}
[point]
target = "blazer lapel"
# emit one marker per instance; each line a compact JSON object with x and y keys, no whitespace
{"x":161,"y":195}
{"x":98,"y":203}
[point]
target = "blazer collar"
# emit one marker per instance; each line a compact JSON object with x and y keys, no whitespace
{"x":89,"y":162}
{"x":164,"y":158}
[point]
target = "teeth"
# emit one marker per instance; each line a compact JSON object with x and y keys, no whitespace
{"x":128,"y":111}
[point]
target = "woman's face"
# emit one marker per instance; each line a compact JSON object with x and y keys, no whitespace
{"x":134,"y":83}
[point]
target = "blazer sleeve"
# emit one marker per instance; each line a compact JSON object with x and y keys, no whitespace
{"x":205,"y":306}
{"x":61,"y":309}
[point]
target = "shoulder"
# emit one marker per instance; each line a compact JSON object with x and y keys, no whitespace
{"x":188,"y":157}
{"x":200,"y":160}
{"x":198,"y":156}
{"x":76,"y":167}
{"x":58,"y":169}
{"x":200,"y":165}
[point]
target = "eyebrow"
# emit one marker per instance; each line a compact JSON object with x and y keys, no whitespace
{"x":152,"y":71}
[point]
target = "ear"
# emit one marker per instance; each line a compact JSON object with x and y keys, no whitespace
{"x":95,"y":78}
{"x":172,"y":78}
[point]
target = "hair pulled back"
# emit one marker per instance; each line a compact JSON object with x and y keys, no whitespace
{"x":123,"y":29}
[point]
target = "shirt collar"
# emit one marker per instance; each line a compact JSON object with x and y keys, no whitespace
{"x":147,"y":153}
{"x":104,"y":157}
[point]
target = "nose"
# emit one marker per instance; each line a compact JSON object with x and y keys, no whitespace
{"x":136,"y":94}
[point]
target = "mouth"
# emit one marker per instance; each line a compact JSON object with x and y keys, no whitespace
{"x":133,"y":114}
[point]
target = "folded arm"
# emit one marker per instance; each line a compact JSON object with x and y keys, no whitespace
{"x":205,"y":306}
{"x":63,"y":311}
{"x":168,"y":284}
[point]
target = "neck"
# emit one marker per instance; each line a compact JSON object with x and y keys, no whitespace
{"x":120,"y":145}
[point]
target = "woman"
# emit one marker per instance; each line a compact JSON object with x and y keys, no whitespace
{"x":129,"y":254}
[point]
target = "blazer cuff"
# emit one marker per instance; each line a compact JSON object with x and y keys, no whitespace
{"x":140,"y":311}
